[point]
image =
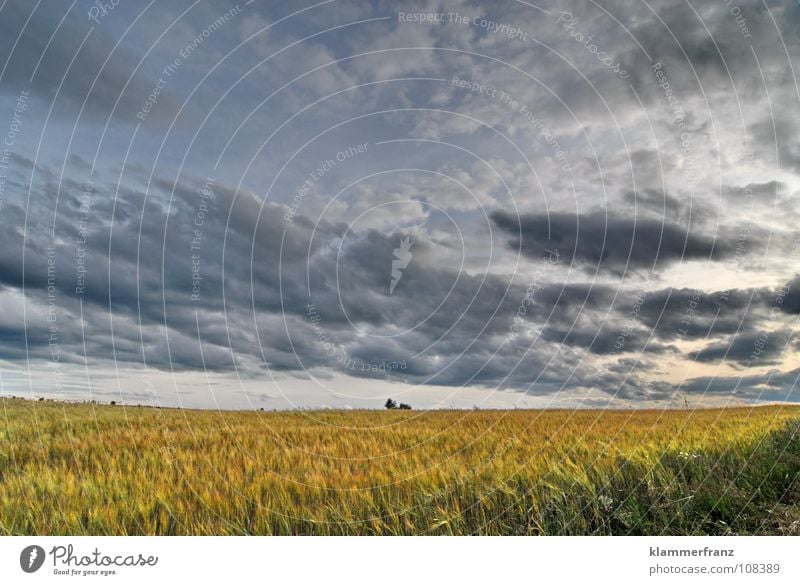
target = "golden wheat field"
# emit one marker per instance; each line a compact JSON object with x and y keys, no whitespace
{"x":91,"y":469}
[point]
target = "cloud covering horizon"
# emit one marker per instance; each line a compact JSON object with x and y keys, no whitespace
{"x":327,"y":204}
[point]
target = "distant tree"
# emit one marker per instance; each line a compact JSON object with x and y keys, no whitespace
{"x":113,"y":403}
{"x":404,"y":406}
{"x":390,"y":404}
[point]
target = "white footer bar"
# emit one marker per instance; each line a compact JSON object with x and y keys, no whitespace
{"x":388,"y":560}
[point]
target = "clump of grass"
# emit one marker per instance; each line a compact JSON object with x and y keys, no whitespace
{"x":87,"y":469}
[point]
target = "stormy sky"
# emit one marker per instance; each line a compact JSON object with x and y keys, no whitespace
{"x":453,"y":204}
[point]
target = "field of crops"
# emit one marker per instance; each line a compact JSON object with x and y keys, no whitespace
{"x":90,"y":469}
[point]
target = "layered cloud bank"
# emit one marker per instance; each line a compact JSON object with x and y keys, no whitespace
{"x":328,"y":204}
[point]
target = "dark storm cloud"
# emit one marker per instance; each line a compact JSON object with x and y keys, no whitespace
{"x":610,"y":337}
{"x":749,"y":349}
{"x":41,"y":43}
{"x":660,"y":202}
{"x":711,"y":42}
{"x":459,"y":327}
{"x":789,"y":296}
{"x":774,"y":385}
{"x":610,"y":242}
{"x":695,"y":314}
{"x":762,"y":192}
{"x":138,"y":305}
{"x":260,"y":272}
{"x":691,"y":314}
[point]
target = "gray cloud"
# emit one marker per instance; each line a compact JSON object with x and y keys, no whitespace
{"x":764,"y":348}
{"x":49,"y":51}
{"x":607,"y":242}
{"x":645,"y":208}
